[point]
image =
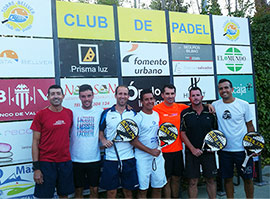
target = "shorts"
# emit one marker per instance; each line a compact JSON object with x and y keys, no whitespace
{"x":208,"y":162}
{"x":86,"y":174}
{"x":111,"y":178}
{"x":227,"y":160}
{"x":57,"y":175}
{"x":174,"y":164}
{"x":147,"y":175}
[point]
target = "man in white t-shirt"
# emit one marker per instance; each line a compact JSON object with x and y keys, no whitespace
{"x":149,"y":160}
{"x":234,"y":120}
{"x":84,"y":143}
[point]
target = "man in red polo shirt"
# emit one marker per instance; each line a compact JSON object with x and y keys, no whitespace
{"x":50,"y":148}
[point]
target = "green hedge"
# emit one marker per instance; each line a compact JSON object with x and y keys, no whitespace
{"x":260,"y":30}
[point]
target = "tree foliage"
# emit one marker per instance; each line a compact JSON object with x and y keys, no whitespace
{"x":260,"y":31}
{"x":171,"y":5}
{"x":212,"y":7}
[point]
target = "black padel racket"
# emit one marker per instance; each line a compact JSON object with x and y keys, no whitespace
{"x":253,"y":142}
{"x":126,"y":131}
{"x":215,"y":140}
{"x":167,"y":134}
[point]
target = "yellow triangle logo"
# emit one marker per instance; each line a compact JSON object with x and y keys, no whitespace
{"x":90,"y":55}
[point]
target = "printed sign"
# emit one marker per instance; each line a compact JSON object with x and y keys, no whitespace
{"x":189,"y":28}
{"x":17,"y":181}
{"x":23,"y":57}
{"x":243,"y":86}
{"x":86,"y":58}
{"x":84,"y":21}
{"x":231,"y":30}
{"x":233,"y":60}
{"x":253,"y":112}
{"x":104,"y":91}
{"x":16,"y":142}
{"x":190,"y":59}
{"x":20,"y":99}
{"x":137,"y":84}
{"x":142,"y":59}
{"x":205,"y":83}
{"x":26,"y":18}
{"x":141,"y":25}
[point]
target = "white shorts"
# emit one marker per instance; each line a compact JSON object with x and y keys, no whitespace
{"x":147,"y":175}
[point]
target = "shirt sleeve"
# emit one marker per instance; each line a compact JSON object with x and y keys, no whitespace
{"x":182,"y":123}
{"x":102,"y":123}
{"x":36,"y":124}
{"x":248,"y":115}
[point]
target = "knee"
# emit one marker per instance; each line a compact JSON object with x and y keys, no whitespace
{"x":210,"y":181}
{"x":248,"y":181}
{"x":193,"y":182}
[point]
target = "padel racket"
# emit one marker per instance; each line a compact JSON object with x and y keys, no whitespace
{"x":126,"y":131}
{"x":167,"y":134}
{"x":215,"y":140}
{"x":253,"y":142}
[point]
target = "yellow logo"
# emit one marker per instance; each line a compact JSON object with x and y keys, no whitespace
{"x":231,"y":30}
{"x":18,"y":16}
{"x":90,"y":55}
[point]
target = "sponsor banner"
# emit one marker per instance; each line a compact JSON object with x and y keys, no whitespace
{"x":233,"y":60}
{"x":190,"y":59}
{"x":104,"y":91}
{"x":189,"y":28}
{"x":142,"y":59}
{"x":20,"y":99}
{"x":86,"y":58}
{"x":141,"y":25}
{"x":23,"y":57}
{"x":16,"y":142}
{"x":231,"y":30}
{"x":137,"y":84}
{"x":84,"y":21}
{"x":205,"y":83}
{"x":26,"y":18}
{"x":17,"y":181}
{"x":243,"y":86}
{"x":252,"y":108}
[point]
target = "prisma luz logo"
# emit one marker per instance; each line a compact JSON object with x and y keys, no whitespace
{"x":18,"y":15}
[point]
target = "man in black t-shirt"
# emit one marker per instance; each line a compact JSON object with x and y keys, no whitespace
{"x":196,"y":122}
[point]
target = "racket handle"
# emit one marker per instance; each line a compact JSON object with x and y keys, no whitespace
{"x":5,"y":21}
{"x":246,"y":161}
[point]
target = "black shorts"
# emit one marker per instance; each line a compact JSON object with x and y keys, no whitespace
{"x":174,"y":165}
{"x":86,"y":174}
{"x":57,"y":175}
{"x":208,"y":162}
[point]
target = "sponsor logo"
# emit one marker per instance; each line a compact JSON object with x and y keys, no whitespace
{"x":88,"y":54}
{"x":9,"y":54}
{"x":59,"y":122}
{"x":242,"y":89}
{"x":18,"y":15}
{"x":227,"y":115}
{"x":233,"y":58}
{"x":194,"y":81}
{"x":135,"y":93}
{"x":15,"y":184}
{"x":11,"y":57}
{"x":136,"y":61}
{"x":231,"y":30}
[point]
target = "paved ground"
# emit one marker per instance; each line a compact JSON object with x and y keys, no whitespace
{"x":259,"y":191}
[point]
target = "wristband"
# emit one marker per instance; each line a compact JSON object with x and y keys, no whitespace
{"x":36,"y":165}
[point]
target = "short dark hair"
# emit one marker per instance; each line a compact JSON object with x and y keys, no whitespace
{"x":145,"y":91}
{"x":116,"y":90}
{"x":85,"y":87}
{"x":225,"y":80}
{"x":194,"y":89}
{"x":56,"y":87}
{"x":170,"y":86}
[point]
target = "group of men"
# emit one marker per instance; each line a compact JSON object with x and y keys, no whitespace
{"x":57,"y":164}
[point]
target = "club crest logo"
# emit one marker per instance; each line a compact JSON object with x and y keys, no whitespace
{"x":18,"y":16}
{"x":231,"y":30}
